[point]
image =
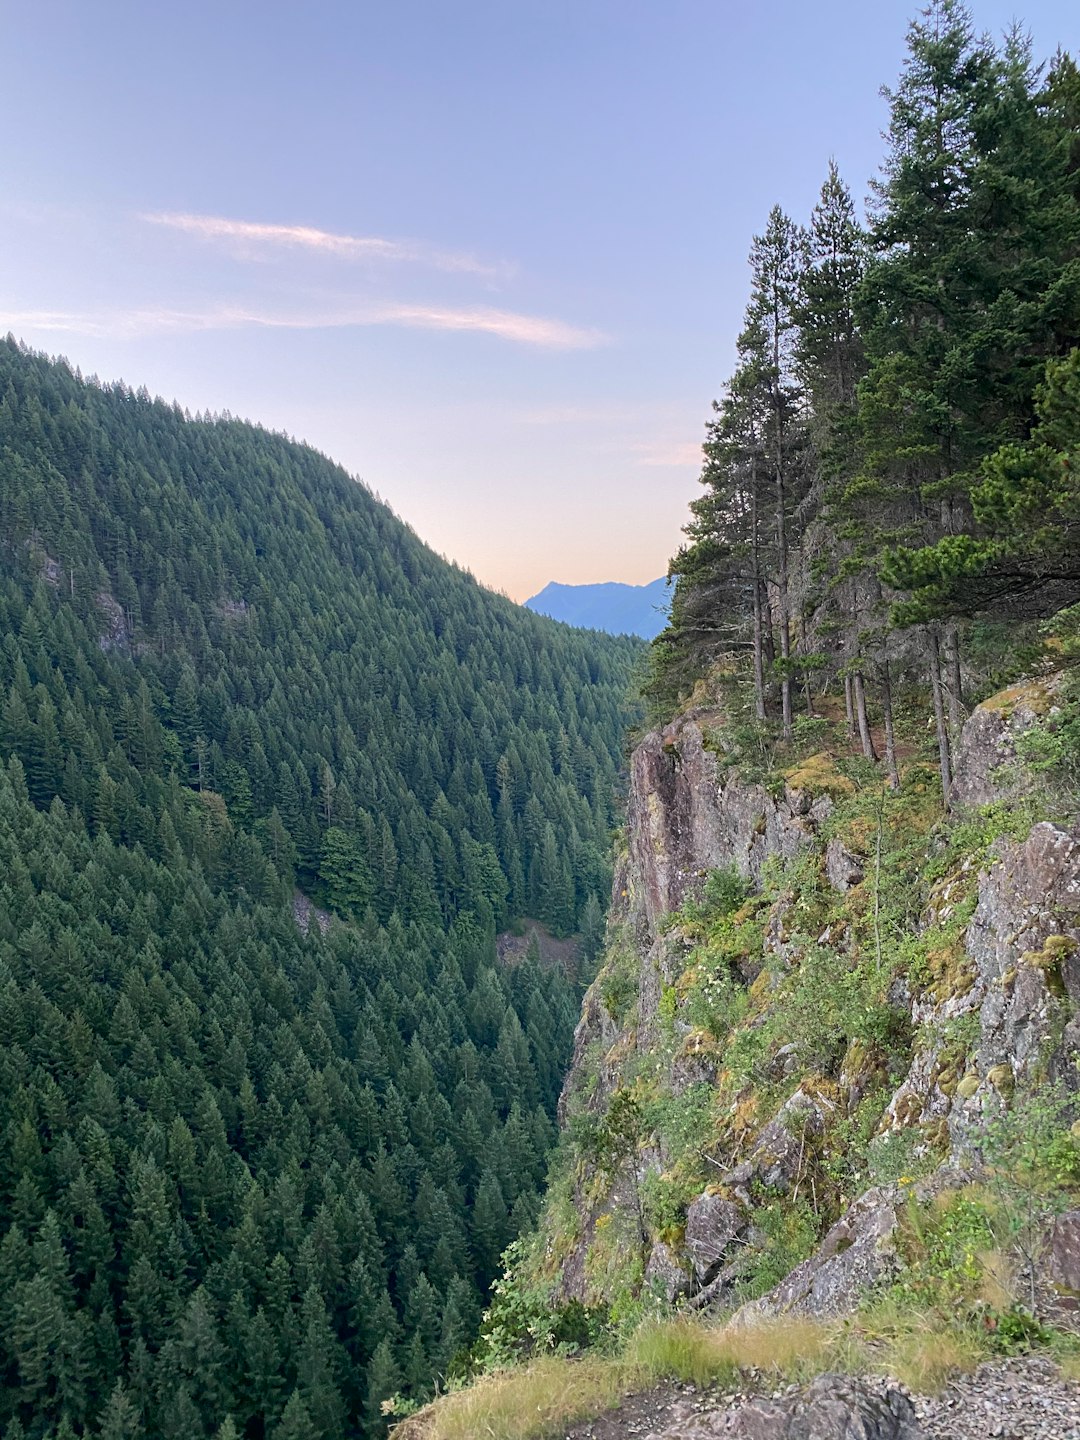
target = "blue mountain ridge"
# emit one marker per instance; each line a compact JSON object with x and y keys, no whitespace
{"x":611,"y":606}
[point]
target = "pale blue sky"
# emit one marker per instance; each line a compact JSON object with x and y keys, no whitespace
{"x":488,"y":254}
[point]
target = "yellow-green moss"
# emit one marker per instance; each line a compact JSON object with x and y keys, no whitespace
{"x":1033,"y":695}
{"x":818,"y":775}
{"x":952,"y":970}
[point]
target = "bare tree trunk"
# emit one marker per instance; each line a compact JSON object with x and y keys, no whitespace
{"x":781,"y":545}
{"x":759,"y":658}
{"x":934,"y":651}
{"x":954,"y":686}
{"x":849,"y":707}
{"x":890,"y":733}
{"x":808,"y":690}
{"x":769,"y":639}
{"x":864,"y":724}
{"x":785,"y":618}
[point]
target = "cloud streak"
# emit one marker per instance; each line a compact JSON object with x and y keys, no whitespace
{"x":532,"y":330}
{"x":248,"y":233}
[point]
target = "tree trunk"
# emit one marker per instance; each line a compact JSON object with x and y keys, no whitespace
{"x":781,"y":537}
{"x":890,"y":733}
{"x":864,"y":724}
{"x":759,"y":657}
{"x":849,"y":707}
{"x":954,"y":685}
{"x":936,"y":686}
{"x":808,"y":690}
{"x":769,"y":639}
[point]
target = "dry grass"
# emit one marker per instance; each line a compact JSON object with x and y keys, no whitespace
{"x":523,"y":1404}
{"x":921,"y":1348}
{"x":542,"y":1399}
{"x":997,"y":1279}
{"x":925,"y":1359}
{"x":792,"y":1348}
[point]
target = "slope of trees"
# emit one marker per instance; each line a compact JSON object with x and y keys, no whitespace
{"x":255,"y":1181}
{"x":873,"y":475}
{"x":236,"y":611}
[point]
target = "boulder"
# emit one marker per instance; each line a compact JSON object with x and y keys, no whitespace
{"x":664,"y":1276}
{"x":855,"y":1255}
{"x":986,"y":765}
{"x":843,"y":868}
{"x":713,"y":1224}
{"x":1061,"y":1258}
{"x":834,"y":1407}
{"x":781,"y":1151}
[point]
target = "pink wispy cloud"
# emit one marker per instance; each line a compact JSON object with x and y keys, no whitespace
{"x":250,"y":233}
{"x":509,"y":325}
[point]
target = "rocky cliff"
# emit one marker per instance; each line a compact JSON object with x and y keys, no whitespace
{"x":812,"y":987}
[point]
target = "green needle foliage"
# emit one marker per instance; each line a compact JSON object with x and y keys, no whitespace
{"x":256,"y":1175}
{"x":895,"y":451}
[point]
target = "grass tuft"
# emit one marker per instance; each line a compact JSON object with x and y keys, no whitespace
{"x":539,"y":1400}
{"x":543,"y":1398}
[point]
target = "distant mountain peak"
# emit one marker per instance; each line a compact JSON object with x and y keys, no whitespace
{"x":611,"y":605}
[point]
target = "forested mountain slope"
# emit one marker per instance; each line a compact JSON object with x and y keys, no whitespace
{"x":252,"y":1180}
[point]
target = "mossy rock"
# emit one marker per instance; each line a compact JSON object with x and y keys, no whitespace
{"x":818,"y":775}
{"x":952,"y":969}
{"x":967,"y":1086}
{"x":1003,"y":1080}
{"x":1032,"y":695}
{"x":908,"y":1111}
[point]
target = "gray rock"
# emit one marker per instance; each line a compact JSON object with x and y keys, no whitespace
{"x":1061,"y":1260}
{"x":1064,"y":1066}
{"x":856,"y":1254}
{"x":1021,"y":958}
{"x":713,"y":1224}
{"x":685,"y":817}
{"x":987,"y":767}
{"x":779,"y":1154}
{"x":842,"y":867}
{"x":834,"y":1407}
{"x":664,"y":1275}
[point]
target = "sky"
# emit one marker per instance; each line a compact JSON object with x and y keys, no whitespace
{"x":490,"y":255}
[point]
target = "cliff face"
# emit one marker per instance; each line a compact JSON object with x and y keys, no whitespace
{"x":778,"y":1040}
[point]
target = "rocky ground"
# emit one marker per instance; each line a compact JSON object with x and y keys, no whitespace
{"x":1018,"y":1399}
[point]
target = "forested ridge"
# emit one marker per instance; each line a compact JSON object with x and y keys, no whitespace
{"x":256,"y":1176}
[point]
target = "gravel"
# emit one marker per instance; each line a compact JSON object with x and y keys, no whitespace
{"x":1022,"y":1399}
{"x":1018,"y":1399}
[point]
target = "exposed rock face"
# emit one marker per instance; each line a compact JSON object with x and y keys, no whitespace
{"x":664,"y":1275}
{"x":713,"y":1224}
{"x":856,"y":1254}
{"x":834,"y":1407}
{"x":674,"y":818}
{"x":1019,"y":961}
{"x":685,"y":817}
{"x":995,"y":1015}
{"x":842,"y":867}
{"x":115,"y":635}
{"x":986,"y":766}
{"x":1062,"y":1259}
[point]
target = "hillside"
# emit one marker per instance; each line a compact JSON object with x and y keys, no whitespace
{"x":255,"y":1180}
{"x":612,"y":607}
